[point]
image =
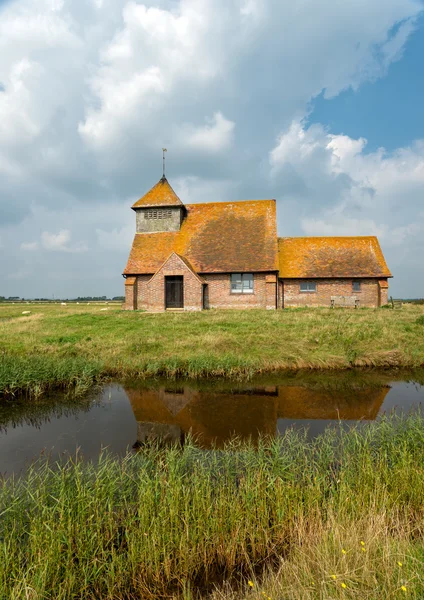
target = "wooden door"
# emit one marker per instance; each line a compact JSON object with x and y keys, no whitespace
{"x":174,"y":291}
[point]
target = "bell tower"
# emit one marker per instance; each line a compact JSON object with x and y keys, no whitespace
{"x":160,"y":209}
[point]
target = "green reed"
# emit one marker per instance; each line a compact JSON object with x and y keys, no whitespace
{"x":37,"y":374}
{"x":178,"y":521}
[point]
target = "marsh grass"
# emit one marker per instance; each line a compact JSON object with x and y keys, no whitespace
{"x":37,"y":375}
{"x":287,"y":514}
{"x":66,"y":347}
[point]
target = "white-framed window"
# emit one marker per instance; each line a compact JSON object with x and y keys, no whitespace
{"x":308,"y":286}
{"x":241,"y":283}
{"x":356,"y":286}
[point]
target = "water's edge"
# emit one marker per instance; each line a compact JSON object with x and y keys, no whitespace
{"x":124,"y":415}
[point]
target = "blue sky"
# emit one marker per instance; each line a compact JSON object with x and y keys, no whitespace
{"x":388,"y":112}
{"x":315,"y":103}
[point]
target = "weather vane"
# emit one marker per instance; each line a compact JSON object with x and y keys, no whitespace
{"x":163,"y":158}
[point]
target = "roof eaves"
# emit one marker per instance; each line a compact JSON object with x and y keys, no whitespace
{"x":229,"y":202}
{"x":134,"y":207}
{"x":184,"y":261}
{"x":189,"y":266}
{"x":359,"y":276}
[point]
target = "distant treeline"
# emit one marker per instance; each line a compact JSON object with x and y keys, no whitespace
{"x":414,"y":300}
{"x":79,"y":299}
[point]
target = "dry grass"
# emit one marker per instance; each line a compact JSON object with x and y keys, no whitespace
{"x":214,"y":343}
{"x":346,"y":561}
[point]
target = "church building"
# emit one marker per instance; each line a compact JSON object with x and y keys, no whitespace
{"x":228,"y":255}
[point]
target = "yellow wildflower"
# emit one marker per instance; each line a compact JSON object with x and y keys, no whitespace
{"x":403,"y":588}
{"x":334,"y":576}
{"x":344,"y":585}
{"x":363,"y":549}
{"x":399,"y":563}
{"x":362,"y":543}
{"x":343,"y":551}
{"x":250,"y":583}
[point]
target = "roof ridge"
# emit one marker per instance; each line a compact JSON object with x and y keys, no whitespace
{"x":326,"y":237}
{"x":229,"y":202}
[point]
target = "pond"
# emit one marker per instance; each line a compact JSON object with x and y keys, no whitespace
{"x":124,"y":416}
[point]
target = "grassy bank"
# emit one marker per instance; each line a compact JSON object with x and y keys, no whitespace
{"x":66,"y":346}
{"x":339,"y":517}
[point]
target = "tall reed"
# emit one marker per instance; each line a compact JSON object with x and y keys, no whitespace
{"x":178,"y":521}
{"x":36,"y":375}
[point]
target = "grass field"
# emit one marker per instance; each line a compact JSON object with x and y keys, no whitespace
{"x":72,"y":346}
{"x":340,"y":517}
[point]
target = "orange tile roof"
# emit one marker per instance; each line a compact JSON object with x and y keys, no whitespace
{"x":331,"y":257}
{"x":216,"y":237}
{"x":161,"y":194}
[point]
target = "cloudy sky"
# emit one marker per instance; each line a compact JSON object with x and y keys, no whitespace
{"x":316,"y":103}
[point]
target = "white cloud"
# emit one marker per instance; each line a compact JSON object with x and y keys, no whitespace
{"x":91,"y":91}
{"x":123,"y":102}
{"x":296,"y":146}
{"x":58,"y":242}
{"x":376,"y":184}
{"x":15,"y":103}
{"x":55,"y":241}
{"x":142,"y":65}
{"x":29,"y":246}
{"x":136,"y":72}
{"x":215,"y":136}
{"x":377,"y":193}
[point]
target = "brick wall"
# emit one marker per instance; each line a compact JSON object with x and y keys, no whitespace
{"x":149,"y":292}
{"x":384,"y":296}
{"x":129,"y":303}
{"x":271,"y":291}
{"x":368,"y":296}
{"x":280,"y":302}
{"x":143,"y":292}
{"x":156,"y":286}
{"x":218,"y":293}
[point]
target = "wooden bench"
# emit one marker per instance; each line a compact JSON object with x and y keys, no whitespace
{"x":345,"y":301}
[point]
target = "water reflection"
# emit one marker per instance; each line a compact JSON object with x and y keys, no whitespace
{"x":213,"y":417}
{"x":121,"y":417}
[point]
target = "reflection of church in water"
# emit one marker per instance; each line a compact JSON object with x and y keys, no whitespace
{"x":213,"y":417}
